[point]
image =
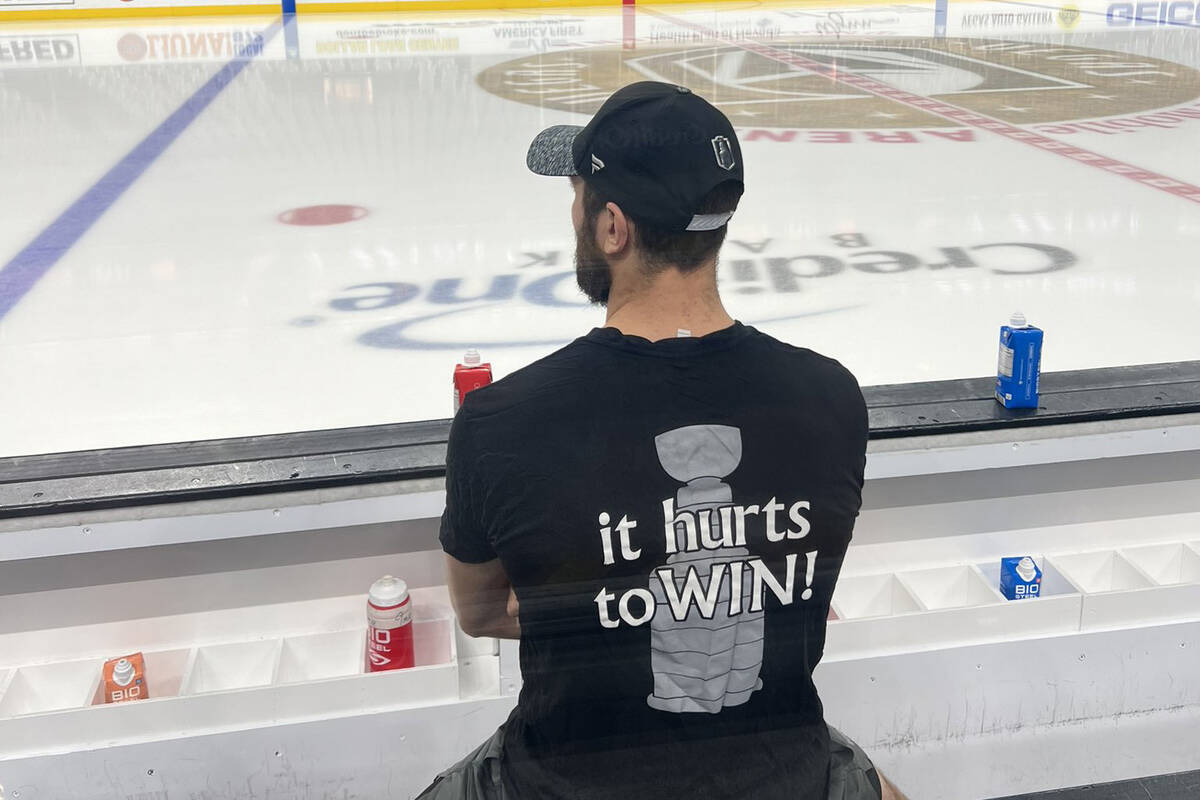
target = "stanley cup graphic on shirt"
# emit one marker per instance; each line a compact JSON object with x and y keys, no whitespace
{"x":703,"y":664}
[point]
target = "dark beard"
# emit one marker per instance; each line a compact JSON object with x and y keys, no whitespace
{"x":592,"y":272}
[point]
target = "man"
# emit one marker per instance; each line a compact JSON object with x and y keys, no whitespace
{"x":660,"y":509}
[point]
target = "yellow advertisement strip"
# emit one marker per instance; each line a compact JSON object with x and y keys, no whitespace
{"x":137,"y":11}
{"x":373,"y":6}
{"x":439,"y":5}
{"x":367,"y":6}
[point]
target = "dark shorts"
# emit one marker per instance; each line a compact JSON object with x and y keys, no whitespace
{"x":852,"y":776}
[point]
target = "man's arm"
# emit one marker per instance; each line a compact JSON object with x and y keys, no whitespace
{"x":483,"y":598}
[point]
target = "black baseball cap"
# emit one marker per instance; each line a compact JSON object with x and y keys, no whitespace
{"x":655,"y":149}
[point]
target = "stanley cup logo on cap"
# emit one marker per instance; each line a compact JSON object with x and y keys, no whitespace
{"x":723,"y":150}
{"x":703,"y":663}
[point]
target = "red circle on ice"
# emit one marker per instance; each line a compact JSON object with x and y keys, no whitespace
{"x":322,"y":215}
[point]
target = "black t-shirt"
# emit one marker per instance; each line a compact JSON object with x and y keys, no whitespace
{"x":673,"y":516}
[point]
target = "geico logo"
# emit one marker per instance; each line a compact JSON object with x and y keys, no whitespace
{"x":1166,"y":12}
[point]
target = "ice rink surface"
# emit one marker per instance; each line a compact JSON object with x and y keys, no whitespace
{"x":226,"y":227}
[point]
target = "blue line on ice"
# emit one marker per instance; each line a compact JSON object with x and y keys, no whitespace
{"x":27,"y":267}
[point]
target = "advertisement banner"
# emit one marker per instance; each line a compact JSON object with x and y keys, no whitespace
{"x":71,"y":9}
{"x":325,"y":36}
{"x":34,"y":50}
{"x":139,"y":44}
{"x":991,"y":18}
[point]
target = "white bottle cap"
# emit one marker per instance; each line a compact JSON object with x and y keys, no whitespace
{"x":388,"y":591}
{"x":1018,"y":320}
{"x":472,"y":359}
{"x":123,"y":672}
{"x":1027,"y":569}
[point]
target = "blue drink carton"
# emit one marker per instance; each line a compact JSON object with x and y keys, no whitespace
{"x":1020,"y":364}
{"x":1020,"y":578}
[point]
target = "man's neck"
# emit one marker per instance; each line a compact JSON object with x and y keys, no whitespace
{"x":658,"y":308}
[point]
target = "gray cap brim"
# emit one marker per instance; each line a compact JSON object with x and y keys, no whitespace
{"x":550,"y":152}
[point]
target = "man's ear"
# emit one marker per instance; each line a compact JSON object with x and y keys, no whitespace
{"x":615,"y":230}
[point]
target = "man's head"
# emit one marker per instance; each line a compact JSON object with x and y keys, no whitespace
{"x":657,"y":174}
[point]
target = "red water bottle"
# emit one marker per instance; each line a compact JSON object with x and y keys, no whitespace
{"x":389,"y":626}
{"x":470,"y":375}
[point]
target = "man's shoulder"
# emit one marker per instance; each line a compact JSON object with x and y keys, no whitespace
{"x":812,"y":362}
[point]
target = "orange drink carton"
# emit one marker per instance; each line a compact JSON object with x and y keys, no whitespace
{"x":125,"y":679}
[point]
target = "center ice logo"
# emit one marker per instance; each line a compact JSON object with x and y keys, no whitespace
{"x":1018,"y":82}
